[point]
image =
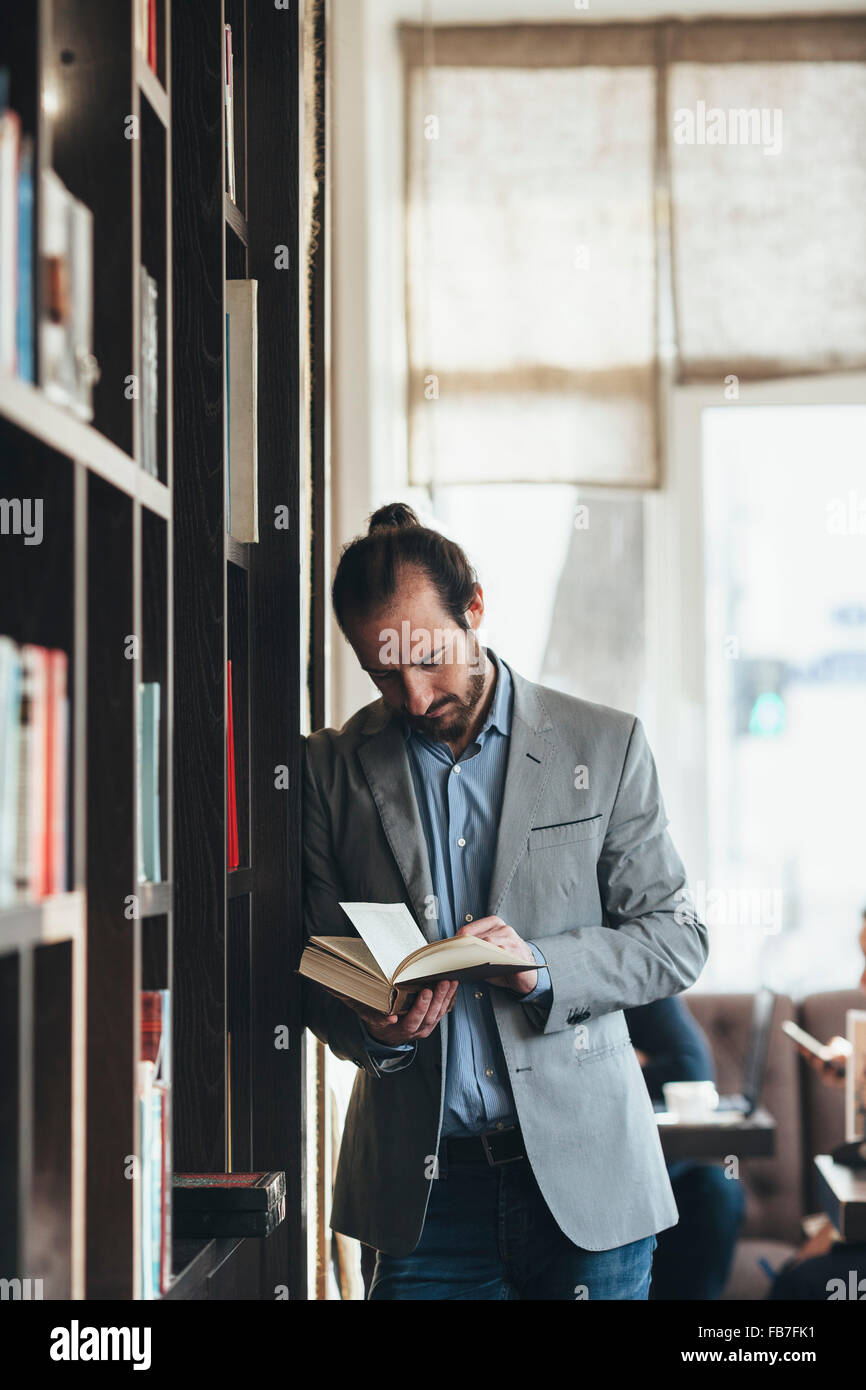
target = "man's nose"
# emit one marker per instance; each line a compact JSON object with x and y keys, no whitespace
{"x":417,"y":696}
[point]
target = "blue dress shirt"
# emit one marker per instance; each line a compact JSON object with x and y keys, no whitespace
{"x":459,"y":803}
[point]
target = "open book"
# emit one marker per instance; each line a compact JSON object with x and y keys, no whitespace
{"x":386,"y":965}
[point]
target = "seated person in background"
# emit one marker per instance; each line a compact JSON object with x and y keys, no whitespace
{"x":812,"y":1274}
{"x":693,"y":1258}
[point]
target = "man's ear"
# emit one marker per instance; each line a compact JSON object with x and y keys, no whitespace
{"x":475,"y":611}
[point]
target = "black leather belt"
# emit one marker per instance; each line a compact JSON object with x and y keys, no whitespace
{"x":495,"y":1147}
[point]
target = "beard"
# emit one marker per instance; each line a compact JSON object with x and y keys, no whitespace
{"x":459,"y":716}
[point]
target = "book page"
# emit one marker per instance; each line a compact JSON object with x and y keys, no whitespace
{"x":388,"y":929}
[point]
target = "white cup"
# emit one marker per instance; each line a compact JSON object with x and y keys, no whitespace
{"x":690,"y":1100}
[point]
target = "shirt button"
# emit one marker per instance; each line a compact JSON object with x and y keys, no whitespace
{"x":500,"y":1124}
{"x":461,"y":842}
{"x":488,"y":1071}
{"x":479,"y":994}
{"x":468,"y":917}
{"x":456,"y":769}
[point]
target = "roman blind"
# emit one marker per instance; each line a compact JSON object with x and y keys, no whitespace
{"x":570,"y":231}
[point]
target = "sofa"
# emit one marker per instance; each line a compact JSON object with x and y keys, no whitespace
{"x":809,"y":1118}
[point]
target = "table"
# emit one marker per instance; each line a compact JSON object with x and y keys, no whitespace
{"x":723,"y":1132}
{"x":842,"y":1192}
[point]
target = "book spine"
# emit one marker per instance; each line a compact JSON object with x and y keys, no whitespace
{"x":145,"y":1073}
{"x":10,"y":143}
{"x":242,"y":302}
{"x":151,"y":34}
{"x":60,"y":775}
{"x":157,"y":1180}
{"x":150,"y":866}
{"x":24,"y":324}
{"x":229,"y":115}
{"x":10,"y":757}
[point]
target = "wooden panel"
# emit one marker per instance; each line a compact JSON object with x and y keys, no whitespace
{"x":9,"y":1114}
{"x":111,"y":949}
{"x":237,"y":1275}
{"x":50,"y":1223}
{"x":199,"y":612}
{"x":273,"y":214}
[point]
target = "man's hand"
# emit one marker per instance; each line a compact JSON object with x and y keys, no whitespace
{"x":493,"y":929}
{"x":419,"y":1022}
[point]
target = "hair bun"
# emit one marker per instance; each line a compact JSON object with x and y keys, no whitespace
{"x":394,"y":516}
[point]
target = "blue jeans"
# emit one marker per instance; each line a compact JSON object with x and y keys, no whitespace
{"x":488,"y":1235}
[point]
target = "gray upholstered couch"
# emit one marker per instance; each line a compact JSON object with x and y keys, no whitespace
{"x":809,"y":1116}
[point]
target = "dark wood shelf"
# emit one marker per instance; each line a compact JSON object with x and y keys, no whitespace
{"x":237,"y":552}
{"x":54,"y":919}
{"x":155,"y":899}
{"x":235,"y":220}
{"x":127,"y":553}
{"x":195,"y":1262}
{"x":239,"y":882}
{"x":150,"y":85}
{"x":27,"y":407}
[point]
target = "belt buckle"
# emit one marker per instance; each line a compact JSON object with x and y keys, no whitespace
{"x":499,"y":1162}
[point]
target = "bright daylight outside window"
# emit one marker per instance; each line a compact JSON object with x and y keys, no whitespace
{"x":786,"y":694}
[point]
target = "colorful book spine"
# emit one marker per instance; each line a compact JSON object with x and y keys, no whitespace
{"x":10,"y":746}
{"x":10,"y":146}
{"x":24,"y":307}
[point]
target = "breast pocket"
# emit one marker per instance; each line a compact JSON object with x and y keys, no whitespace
{"x":549,"y":836}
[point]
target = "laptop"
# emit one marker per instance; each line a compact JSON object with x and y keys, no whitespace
{"x":746,"y":1102}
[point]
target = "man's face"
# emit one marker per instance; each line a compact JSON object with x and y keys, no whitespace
{"x":428,"y":668}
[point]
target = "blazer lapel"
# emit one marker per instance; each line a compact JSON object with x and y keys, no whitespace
{"x":386,"y":767}
{"x":530,"y":756}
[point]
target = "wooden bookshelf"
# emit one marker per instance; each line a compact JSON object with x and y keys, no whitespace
{"x":126,"y":553}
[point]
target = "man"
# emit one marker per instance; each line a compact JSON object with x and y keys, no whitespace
{"x":693,"y":1259}
{"x":507,"y":1148}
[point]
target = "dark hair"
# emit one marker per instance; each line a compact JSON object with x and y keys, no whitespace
{"x":369,"y":567}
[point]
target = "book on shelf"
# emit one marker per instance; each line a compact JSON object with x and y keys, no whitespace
{"x":389,"y":961}
{"x":232,"y":848}
{"x":155,"y":1092}
{"x":242,"y":409}
{"x":149,"y":862}
{"x":227,"y":428}
{"x":228,"y":1204}
{"x":34,"y":772}
{"x":231,"y":188}
{"x":68,"y":370}
{"x":144,"y":28}
{"x":16,"y":241}
{"x":148,"y":404}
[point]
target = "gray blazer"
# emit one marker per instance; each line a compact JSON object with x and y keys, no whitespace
{"x":590,"y":873}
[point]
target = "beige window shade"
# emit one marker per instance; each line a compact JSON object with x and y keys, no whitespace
{"x":531,"y":275}
{"x":539,"y":270}
{"x":769,"y":263}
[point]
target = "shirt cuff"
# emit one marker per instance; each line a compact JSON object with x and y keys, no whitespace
{"x":543,"y":990}
{"x":385,"y":1055}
